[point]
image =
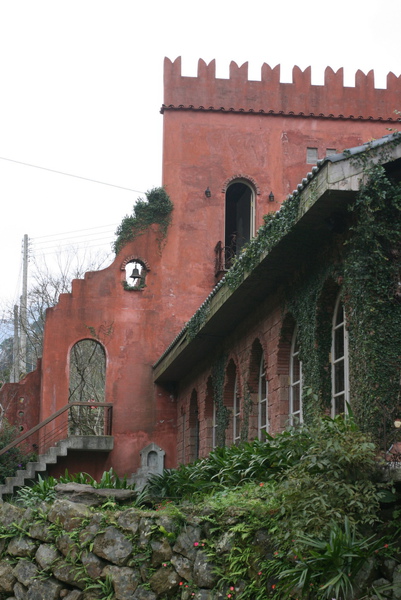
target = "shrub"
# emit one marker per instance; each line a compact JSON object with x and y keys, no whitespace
{"x":156,"y":209}
{"x":15,"y":458}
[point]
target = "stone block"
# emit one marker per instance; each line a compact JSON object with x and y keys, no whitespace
{"x":125,"y":581}
{"x":112,"y":545}
{"x":68,"y":514}
{"x":7,"y":577}
{"x":22,"y":547}
{"x":25,"y":571}
{"x":46,"y":555}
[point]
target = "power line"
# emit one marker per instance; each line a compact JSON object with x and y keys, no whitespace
{"x":19,"y":162}
{"x":75,"y":231}
{"x":49,"y":250}
{"x":87,"y":236}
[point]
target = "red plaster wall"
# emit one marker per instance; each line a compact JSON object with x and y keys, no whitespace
{"x":139,"y":417}
{"x":21,"y":402}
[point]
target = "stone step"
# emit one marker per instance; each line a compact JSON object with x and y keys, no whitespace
{"x":84,"y":443}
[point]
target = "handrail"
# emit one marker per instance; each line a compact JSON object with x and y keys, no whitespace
{"x":42,"y":424}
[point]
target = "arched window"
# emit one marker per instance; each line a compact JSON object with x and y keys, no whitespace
{"x":87,"y":384}
{"x":210,"y":417}
{"x":236,"y":415}
{"x":239,"y":222}
{"x":214,"y":426}
{"x":231,"y":406}
{"x":295,"y":408}
{"x":193,"y":427}
{"x":339,"y":361}
{"x":263,"y":416}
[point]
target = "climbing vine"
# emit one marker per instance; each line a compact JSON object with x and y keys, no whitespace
{"x":314,"y":333}
{"x":363,"y":261}
{"x":275,"y":226}
{"x":372,"y":301}
{"x":198,"y":320}
{"x":366,"y":266}
{"x":156,"y":209}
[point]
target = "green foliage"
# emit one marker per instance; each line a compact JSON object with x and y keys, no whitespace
{"x":311,"y":490}
{"x":308,"y":452}
{"x":104,"y":587}
{"x":44,"y":489}
{"x":372,"y":302}
{"x":156,"y":209}
{"x":230,"y":466}
{"x":15,"y":458}
{"x":198,"y":320}
{"x":334,"y":478}
{"x":109,"y":479}
{"x":323,"y":568}
{"x":41,"y":491}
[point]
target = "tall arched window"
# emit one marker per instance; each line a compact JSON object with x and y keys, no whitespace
{"x":263,"y":416}
{"x":214,"y":426}
{"x":230,"y":407}
{"x":87,"y":384}
{"x":193,"y":427}
{"x":236,"y":414}
{"x":239,"y":222}
{"x":210,"y":418}
{"x":295,"y":408}
{"x":339,"y":361}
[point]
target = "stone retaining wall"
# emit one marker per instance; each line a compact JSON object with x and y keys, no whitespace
{"x":68,"y":551}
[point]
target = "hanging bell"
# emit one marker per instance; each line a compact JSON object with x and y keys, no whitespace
{"x":135,"y":273}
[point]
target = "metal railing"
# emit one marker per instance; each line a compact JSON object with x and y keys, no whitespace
{"x":64,"y":423}
{"x":223,"y":258}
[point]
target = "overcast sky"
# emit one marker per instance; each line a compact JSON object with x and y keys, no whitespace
{"x":81,"y":89}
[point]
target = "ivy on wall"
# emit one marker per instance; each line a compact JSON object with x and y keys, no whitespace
{"x":156,"y":209}
{"x":369,"y":275}
{"x":313,"y":314}
{"x":275,"y":226}
{"x":365,"y":264}
{"x":372,"y":302}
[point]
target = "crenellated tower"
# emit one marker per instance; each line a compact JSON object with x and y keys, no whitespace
{"x":269,"y":96}
{"x":235,"y":148}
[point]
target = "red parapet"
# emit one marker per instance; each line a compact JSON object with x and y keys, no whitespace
{"x":269,"y":95}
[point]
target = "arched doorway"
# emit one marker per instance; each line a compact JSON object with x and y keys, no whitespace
{"x":87,"y":384}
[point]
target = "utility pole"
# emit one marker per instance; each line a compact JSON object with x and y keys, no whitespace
{"x":14,"y":375}
{"x":23,"y":308}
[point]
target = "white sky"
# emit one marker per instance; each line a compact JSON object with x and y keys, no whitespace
{"x":81,"y":88}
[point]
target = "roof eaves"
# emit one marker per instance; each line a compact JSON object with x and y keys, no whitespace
{"x":316,"y":170}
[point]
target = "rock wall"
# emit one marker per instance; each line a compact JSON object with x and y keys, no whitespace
{"x":70,"y":551}
{"x":67,"y":550}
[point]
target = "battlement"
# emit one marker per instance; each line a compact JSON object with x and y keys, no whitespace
{"x":270,"y":96}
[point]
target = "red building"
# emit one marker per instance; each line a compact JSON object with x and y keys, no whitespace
{"x":233,"y":150}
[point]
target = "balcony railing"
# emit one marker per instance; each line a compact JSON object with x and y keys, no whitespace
{"x":224,"y":256}
{"x":75,"y":418}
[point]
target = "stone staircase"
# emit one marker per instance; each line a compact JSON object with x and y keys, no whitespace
{"x":98,"y":443}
